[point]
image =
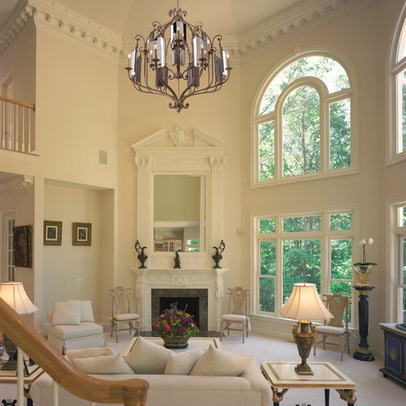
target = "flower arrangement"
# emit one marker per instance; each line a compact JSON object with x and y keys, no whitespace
{"x":175,"y":323}
{"x":363,"y":270}
{"x":364,"y":242}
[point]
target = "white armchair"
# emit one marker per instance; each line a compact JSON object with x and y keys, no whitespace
{"x":72,"y":326}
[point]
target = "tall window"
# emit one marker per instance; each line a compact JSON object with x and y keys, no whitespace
{"x":303,"y":122}
{"x":397,"y":146}
{"x":315,"y":247}
{"x":400,"y":253}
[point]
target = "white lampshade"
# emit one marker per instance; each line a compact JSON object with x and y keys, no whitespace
{"x":304,"y":303}
{"x":13,"y":293}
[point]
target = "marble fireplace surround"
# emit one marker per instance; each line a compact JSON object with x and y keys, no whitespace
{"x":188,"y":280}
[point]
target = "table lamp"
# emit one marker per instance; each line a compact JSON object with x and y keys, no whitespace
{"x":13,"y":293}
{"x":303,"y":304}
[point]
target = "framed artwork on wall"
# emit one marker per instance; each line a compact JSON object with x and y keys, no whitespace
{"x":52,"y":232}
{"x":81,"y":233}
{"x":22,"y":246}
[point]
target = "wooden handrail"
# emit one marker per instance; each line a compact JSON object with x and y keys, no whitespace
{"x":131,"y":392}
{"x":6,"y":99}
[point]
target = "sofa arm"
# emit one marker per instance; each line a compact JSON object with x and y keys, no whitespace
{"x":258,"y":382}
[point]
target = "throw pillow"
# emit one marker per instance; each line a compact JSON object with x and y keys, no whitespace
{"x":86,"y":310}
{"x":109,"y":364}
{"x":183,"y":362}
{"x":216,"y":362}
{"x":146,"y":357}
{"x":66,"y":313}
{"x":88,"y":353}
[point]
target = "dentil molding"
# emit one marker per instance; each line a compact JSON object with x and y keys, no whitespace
{"x":17,"y":185}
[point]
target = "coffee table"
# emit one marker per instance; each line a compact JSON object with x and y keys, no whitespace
{"x":193,"y":343}
{"x":283,"y":377}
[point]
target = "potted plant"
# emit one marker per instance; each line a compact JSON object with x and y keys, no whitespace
{"x":175,"y":327}
{"x":364,"y":269}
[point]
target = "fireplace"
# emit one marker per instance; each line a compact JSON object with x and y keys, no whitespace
{"x":206,"y":284}
{"x":195,"y":300}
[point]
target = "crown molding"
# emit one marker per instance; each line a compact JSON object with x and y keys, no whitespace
{"x":22,"y":183}
{"x":66,"y":23}
{"x":304,"y":17}
{"x":19,"y":27}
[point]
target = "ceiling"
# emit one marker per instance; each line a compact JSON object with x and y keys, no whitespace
{"x":130,"y":17}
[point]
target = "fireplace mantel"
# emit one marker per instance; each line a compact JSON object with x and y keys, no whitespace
{"x":169,"y":278}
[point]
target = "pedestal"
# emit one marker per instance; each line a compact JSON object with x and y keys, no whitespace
{"x":363,"y":353}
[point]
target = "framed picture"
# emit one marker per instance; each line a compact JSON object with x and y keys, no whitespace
{"x":81,"y":234}
{"x":52,"y":232}
{"x":22,"y":246}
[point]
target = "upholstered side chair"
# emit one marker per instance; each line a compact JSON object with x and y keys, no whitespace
{"x":237,"y":316}
{"x":120,"y":311}
{"x":338,"y":305}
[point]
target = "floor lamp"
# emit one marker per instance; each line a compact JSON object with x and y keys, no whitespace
{"x":13,"y":293}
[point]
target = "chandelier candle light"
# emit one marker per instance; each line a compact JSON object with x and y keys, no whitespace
{"x":198,"y":67}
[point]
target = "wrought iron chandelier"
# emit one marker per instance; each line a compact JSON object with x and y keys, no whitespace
{"x":197,"y":68}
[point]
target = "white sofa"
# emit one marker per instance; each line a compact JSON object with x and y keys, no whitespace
{"x":248,"y":388}
{"x":72,"y":326}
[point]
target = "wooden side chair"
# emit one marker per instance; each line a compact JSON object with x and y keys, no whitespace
{"x":237,"y":315}
{"x":120,"y":311}
{"x":338,"y":305}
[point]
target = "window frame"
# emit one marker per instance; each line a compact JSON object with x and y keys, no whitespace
{"x":325,"y":235}
{"x":394,"y":68}
{"x":326,"y":99}
{"x":396,"y":233}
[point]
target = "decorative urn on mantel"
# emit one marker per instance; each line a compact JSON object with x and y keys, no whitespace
{"x":363,"y":274}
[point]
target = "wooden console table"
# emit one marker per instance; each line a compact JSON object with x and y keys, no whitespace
{"x":283,"y":377}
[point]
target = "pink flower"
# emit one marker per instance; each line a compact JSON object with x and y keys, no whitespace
{"x":167,"y":328}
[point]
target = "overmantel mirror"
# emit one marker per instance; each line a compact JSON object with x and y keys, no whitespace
{"x":179,"y":197}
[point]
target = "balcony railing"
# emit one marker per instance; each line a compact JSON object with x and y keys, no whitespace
{"x":17,"y":126}
{"x":131,"y":392}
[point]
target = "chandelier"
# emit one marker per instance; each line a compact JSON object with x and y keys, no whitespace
{"x":165,"y":63}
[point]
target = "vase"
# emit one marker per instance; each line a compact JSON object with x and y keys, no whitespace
{"x":175,"y":342}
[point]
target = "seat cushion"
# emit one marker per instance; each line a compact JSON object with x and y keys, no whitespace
{"x":126,"y":316}
{"x":234,"y":317}
{"x":331,"y":330}
{"x":83,"y":330}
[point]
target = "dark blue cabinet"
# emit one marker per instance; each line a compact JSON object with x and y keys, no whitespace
{"x":395,"y":352}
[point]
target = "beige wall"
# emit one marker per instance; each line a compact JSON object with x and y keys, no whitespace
{"x":76,"y":112}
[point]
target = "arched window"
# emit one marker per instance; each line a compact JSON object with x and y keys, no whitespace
{"x":397,"y":102}
{"x":303,"y":122}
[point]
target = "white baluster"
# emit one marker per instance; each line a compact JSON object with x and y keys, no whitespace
{"x":29,"y":129}
{"x":10,"y":143}
{"x":3,"y":120}
{"x":20,"y":377}
{"x":23,"y":131}
{"x":55,"y":394}
{"x":16,"y":128}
